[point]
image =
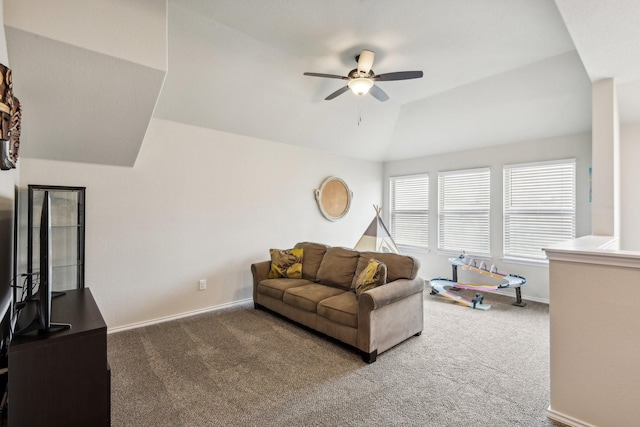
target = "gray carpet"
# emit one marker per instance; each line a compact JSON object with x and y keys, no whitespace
{"x":246,"y":367}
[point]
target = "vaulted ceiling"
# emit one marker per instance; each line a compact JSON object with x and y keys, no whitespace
{"x":495,"y":72}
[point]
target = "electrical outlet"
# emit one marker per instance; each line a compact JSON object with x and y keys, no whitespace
{"x":203,"y":284}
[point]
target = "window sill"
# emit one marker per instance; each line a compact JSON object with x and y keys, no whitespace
{"x":457,"y":254}
{"x":526,"y":261}
{"x":418,"y":249}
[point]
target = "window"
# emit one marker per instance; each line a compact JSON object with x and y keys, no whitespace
{"x":539,"y":207}
{"x":409,"y":196}
{"x":463,"y":211}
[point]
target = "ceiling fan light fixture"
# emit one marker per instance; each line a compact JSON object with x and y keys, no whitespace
{"x":361,"y":80}
{"x":360,"y":85}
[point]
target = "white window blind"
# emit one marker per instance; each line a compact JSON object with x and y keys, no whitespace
{"x":410,"y":210}
{"x":463,"y":211}
{"x":539,"y":207}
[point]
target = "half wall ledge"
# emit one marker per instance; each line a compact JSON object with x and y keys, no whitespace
{"x":594,"y":290}
{"x":602,"y":250}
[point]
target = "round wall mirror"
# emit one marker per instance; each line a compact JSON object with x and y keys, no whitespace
{"x":334,"y":198}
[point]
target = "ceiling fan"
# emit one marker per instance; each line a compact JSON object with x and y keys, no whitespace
{"x":361,"y":80}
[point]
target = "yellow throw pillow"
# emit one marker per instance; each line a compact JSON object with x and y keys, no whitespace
{"x":286,"y":263}
{"x":373,"y":275}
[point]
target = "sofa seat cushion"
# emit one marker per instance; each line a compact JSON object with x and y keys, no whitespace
{"x":342,"y":309}
{"x":275,"y":288}
{"x":307,"y":297}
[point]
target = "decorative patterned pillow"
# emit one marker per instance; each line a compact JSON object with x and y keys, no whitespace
{"x":286,"y":263}
{"x":373,"y":275}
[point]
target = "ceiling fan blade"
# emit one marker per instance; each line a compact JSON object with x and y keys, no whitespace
{"x":400,"y":75}
{"x":337,"y":93}
{"x":378,"y":93}
{"x":328,"y":76}
{"x":365,"y":61}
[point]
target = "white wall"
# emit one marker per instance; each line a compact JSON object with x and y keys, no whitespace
{"x":88,"y":71}
{"x":605,"y":147}
{"x":132,"y":30}
{"x":201,"y":204}
{"x":629,"y":194}
{"x":573,"y":146}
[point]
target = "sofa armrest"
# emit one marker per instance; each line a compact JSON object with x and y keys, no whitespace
{"x":390,"y":292}
{"x":260,"y":271}
{"x":388,"y":315}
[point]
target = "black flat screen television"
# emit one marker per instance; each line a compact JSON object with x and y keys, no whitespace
{"x":42,"y":298}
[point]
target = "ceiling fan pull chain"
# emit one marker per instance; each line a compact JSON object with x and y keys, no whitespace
{"x":359,"y":114}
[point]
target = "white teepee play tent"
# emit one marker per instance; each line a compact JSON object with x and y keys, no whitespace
{"x":376,"y":237}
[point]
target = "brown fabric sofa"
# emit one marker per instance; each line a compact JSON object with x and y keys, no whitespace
{"x":323,"y":298}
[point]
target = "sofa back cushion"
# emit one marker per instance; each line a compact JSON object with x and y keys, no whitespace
{"x":313,"y":254}
{"x":398,"y":266}
{"x":338,"y":267}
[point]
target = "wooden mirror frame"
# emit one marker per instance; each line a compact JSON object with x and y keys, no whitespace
{"x":334,"y":198}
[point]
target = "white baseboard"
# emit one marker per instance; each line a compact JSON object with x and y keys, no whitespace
{"x":566,"y":419}
{"x":176,"y":316}
{"x":244,"y":301}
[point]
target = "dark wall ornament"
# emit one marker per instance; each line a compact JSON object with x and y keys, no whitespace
{"x":334,"y":198}
{"x":10,"y":121}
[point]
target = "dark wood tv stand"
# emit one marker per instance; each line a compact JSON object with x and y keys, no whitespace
{"x":63,"y":378}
